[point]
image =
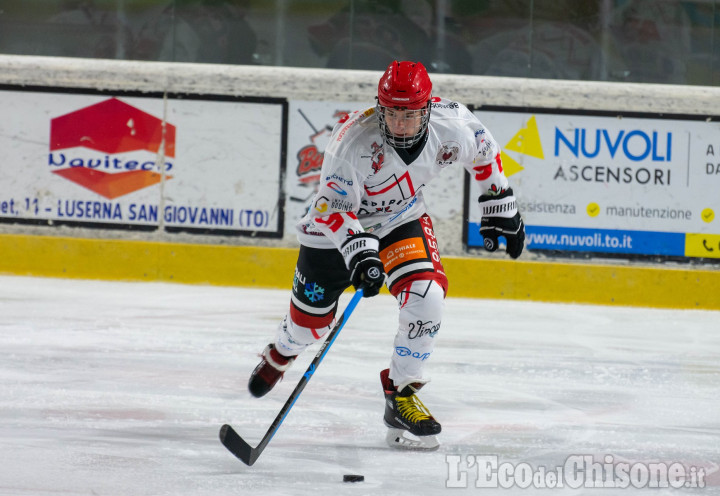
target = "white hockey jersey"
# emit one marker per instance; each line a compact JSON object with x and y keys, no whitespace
{"x":366,"y":186}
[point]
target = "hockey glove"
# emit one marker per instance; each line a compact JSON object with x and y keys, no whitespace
{"x":500,"y":217}
{"x":360,"y":252}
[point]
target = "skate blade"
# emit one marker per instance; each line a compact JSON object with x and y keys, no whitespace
{"x":402,"y":439}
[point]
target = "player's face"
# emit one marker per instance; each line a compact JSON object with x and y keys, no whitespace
{"x":403,"y":123}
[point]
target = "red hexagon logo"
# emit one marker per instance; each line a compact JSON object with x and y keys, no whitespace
{"x":111,"y":127}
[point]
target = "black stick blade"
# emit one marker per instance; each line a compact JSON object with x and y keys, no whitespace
{"x":237,"y":445}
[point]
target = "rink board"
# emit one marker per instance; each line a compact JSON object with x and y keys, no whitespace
{"x":273,"y":268}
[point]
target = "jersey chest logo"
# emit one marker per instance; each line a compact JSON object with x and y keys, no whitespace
{"x":392,"y":186}
{"x":447,"y":154}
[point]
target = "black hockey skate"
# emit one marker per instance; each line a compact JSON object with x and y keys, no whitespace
{"x":405,"y":414}
{"x":269,"y":371}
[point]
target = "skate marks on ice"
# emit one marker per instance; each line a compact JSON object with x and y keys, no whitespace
{"x":121,"y":387}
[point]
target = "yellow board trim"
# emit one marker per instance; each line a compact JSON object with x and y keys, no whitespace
{"x":264,"y":267}
{"x":702,"y":245}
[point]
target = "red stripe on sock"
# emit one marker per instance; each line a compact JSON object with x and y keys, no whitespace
{"x":311,"y":321}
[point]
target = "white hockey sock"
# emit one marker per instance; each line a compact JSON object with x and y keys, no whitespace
{"x":421,"y":311}
{"x":292,"y":339}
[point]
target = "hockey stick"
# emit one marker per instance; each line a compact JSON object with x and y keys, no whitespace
{"x":237,"y":445}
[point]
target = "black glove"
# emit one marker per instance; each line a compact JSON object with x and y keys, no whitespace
{"x":362,"y":259}
{"x":500,"y":217}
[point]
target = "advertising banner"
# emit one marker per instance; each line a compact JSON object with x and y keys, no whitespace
{"x":626,"y":185}
{"x":310,"y":126}
{"x":210,"y":165}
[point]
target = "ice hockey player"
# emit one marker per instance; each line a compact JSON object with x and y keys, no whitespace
{"x":368,"y":226}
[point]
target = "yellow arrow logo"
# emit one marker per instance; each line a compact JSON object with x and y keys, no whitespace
{"x":510,"y":166}
{"x":527,"y":140}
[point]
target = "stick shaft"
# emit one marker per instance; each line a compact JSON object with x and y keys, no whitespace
{"x":237,"y":445}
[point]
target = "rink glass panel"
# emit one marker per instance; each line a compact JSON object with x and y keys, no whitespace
{"x":647,"y":41}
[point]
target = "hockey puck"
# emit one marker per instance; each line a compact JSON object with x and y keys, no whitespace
{"x":353,"y":478}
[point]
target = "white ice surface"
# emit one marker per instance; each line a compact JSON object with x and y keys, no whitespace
{"x":120,"y":389}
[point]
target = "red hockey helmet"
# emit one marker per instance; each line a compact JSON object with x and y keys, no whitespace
{"x":405,"y":87}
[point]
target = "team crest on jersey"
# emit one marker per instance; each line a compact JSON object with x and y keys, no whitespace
{"x":378,"y":157}
{"x":448,"y":153}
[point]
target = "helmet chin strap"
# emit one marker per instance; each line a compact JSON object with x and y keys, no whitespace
{"x":407,"y":143}
{"x":409,"y":154}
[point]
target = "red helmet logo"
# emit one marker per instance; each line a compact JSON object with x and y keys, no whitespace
{"x":405,"y":84}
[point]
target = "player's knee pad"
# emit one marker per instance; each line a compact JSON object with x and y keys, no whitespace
{"x":292,"y":338}
{"x":420,"y":317}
